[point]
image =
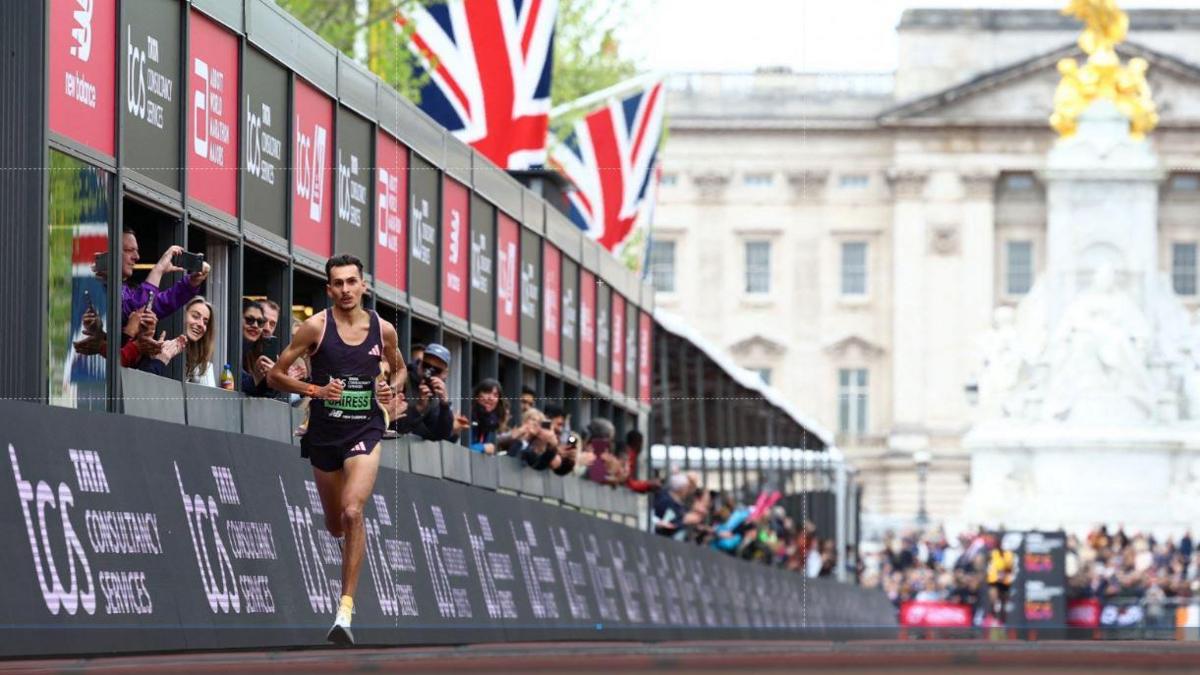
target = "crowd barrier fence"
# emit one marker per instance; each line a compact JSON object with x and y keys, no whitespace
{"x":127,"y":534}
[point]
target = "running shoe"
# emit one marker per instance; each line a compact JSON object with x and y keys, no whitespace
{"x":340,"y":633}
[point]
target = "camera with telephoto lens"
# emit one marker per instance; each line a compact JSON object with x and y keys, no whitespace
{"x":418,"y":375}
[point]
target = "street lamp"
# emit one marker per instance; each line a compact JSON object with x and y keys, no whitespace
{"x":922,"y":458}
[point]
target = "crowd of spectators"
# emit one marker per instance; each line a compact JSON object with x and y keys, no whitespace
{"x":761,"y":532}
{"x":543,"y":439}
{"x":1109,"y":566}
{"x":144,"y":304}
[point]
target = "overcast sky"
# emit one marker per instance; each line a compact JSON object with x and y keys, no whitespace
{"x":821,"y":35}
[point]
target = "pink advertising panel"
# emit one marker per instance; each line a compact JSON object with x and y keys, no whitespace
{"x":312,"y":156}
{"x":83,"y":72}
{"x":212,"y":146}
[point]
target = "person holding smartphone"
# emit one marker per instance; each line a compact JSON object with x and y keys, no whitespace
{"x":163,"y":302}
{"x":257,"y":351}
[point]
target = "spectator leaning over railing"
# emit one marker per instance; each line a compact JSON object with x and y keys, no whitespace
{"x":568,"y":455}
{"x":430,"y":414}
{"x":197,"y":330}
{"x":142,"y":350}
{"x":489,"y":416}
{"x":140,"y":297}
{"x":270,"y":310}
{"x":528,"y":399}
{"x":533,"y":441}
{"x":607,"y":468}
{"x":255,"y":364}
{"x":164,"y":302}
{"x":629,"y":454}
{"x":557,"y":417}
{"x":670,"y":510}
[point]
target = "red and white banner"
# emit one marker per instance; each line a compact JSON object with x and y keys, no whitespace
{"x":587,"y":324}
{"x":618,"y":343}
{"x":83,"y":68}
{"x":645,"y":336}
{"x":930,"y":614}
{"x":551,"y":308}
{"x":391,"y":190}
{"x":1083,"y":613}
{"x":212,"y":148}
{"x":507,"y":258}
{"x":312,"y":158}
{"x":455,"y":254}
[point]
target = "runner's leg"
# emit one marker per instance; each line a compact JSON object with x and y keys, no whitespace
{"x":359,"y":481}
{"x":329,"y":487}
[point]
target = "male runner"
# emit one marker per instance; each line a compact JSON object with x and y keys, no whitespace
{"x":346,"y":345}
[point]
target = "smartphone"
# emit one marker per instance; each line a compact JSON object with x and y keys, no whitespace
{"x":150,"y":302}
{"x":87,"y":301}
{"x":547,"y":424}
{"x":191,"y":263}
{"x":271,"y":347}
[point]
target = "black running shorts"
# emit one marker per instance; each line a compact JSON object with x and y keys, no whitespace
{"x":332,"y":457}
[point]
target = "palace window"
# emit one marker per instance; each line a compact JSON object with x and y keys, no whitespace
{"x":1183,"y":268}
{"x":662,"y":265}
{"x":1018,"y":272}
{"x":758,"y":267}
{"x":854,"y":268}
{"x":852,"y":401}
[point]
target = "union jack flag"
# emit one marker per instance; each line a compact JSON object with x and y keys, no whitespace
{"x":489,"y":63}
{"x":609,"y":159}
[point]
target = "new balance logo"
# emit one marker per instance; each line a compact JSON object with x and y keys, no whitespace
{"x":226,"y":490}
{"x":82,"y":33}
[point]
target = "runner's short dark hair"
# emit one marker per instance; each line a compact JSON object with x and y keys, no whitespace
{"x":341,"y":261}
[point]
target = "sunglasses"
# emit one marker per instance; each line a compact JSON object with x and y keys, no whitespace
{"x":253,"y":321}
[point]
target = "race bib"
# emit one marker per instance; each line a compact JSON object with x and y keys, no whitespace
{"x":358,"y":398}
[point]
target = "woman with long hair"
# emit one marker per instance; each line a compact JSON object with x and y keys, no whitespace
{"x":201,"y":339}
{"x":489,"y":416}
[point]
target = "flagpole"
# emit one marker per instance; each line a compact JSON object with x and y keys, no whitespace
{"x":650,"y":221}
{"x":603,"y":95}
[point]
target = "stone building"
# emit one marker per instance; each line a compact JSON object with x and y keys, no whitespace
{"x":852,"y":235}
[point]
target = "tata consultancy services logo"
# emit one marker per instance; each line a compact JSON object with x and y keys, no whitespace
{"x":36,"y":500}
{"x":81,"y":33}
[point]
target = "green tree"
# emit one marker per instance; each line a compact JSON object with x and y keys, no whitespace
{"x":587,"y":54}
{"x":366,"y":30}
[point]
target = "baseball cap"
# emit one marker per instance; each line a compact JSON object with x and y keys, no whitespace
{"x":438,"y":352}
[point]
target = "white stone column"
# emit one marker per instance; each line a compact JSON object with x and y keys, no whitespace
{"x":978,"y":238}
{"x":909,"y":238}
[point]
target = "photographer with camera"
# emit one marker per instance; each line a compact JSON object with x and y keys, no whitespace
{"x":534,"y":441}
{"x":430,"y":415}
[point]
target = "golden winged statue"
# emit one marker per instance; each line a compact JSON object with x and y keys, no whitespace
{"x":1103,"y":75}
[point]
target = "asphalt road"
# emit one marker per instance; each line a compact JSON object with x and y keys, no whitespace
{"x":679,"y":657}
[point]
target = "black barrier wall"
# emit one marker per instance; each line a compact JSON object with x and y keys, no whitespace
{"x":136,"y":535}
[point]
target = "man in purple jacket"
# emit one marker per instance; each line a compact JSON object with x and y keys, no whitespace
{"x":166,"y":302}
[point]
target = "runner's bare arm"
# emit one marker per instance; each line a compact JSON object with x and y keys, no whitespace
{"x":302,"y":342}
{"x":391,"y":351}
